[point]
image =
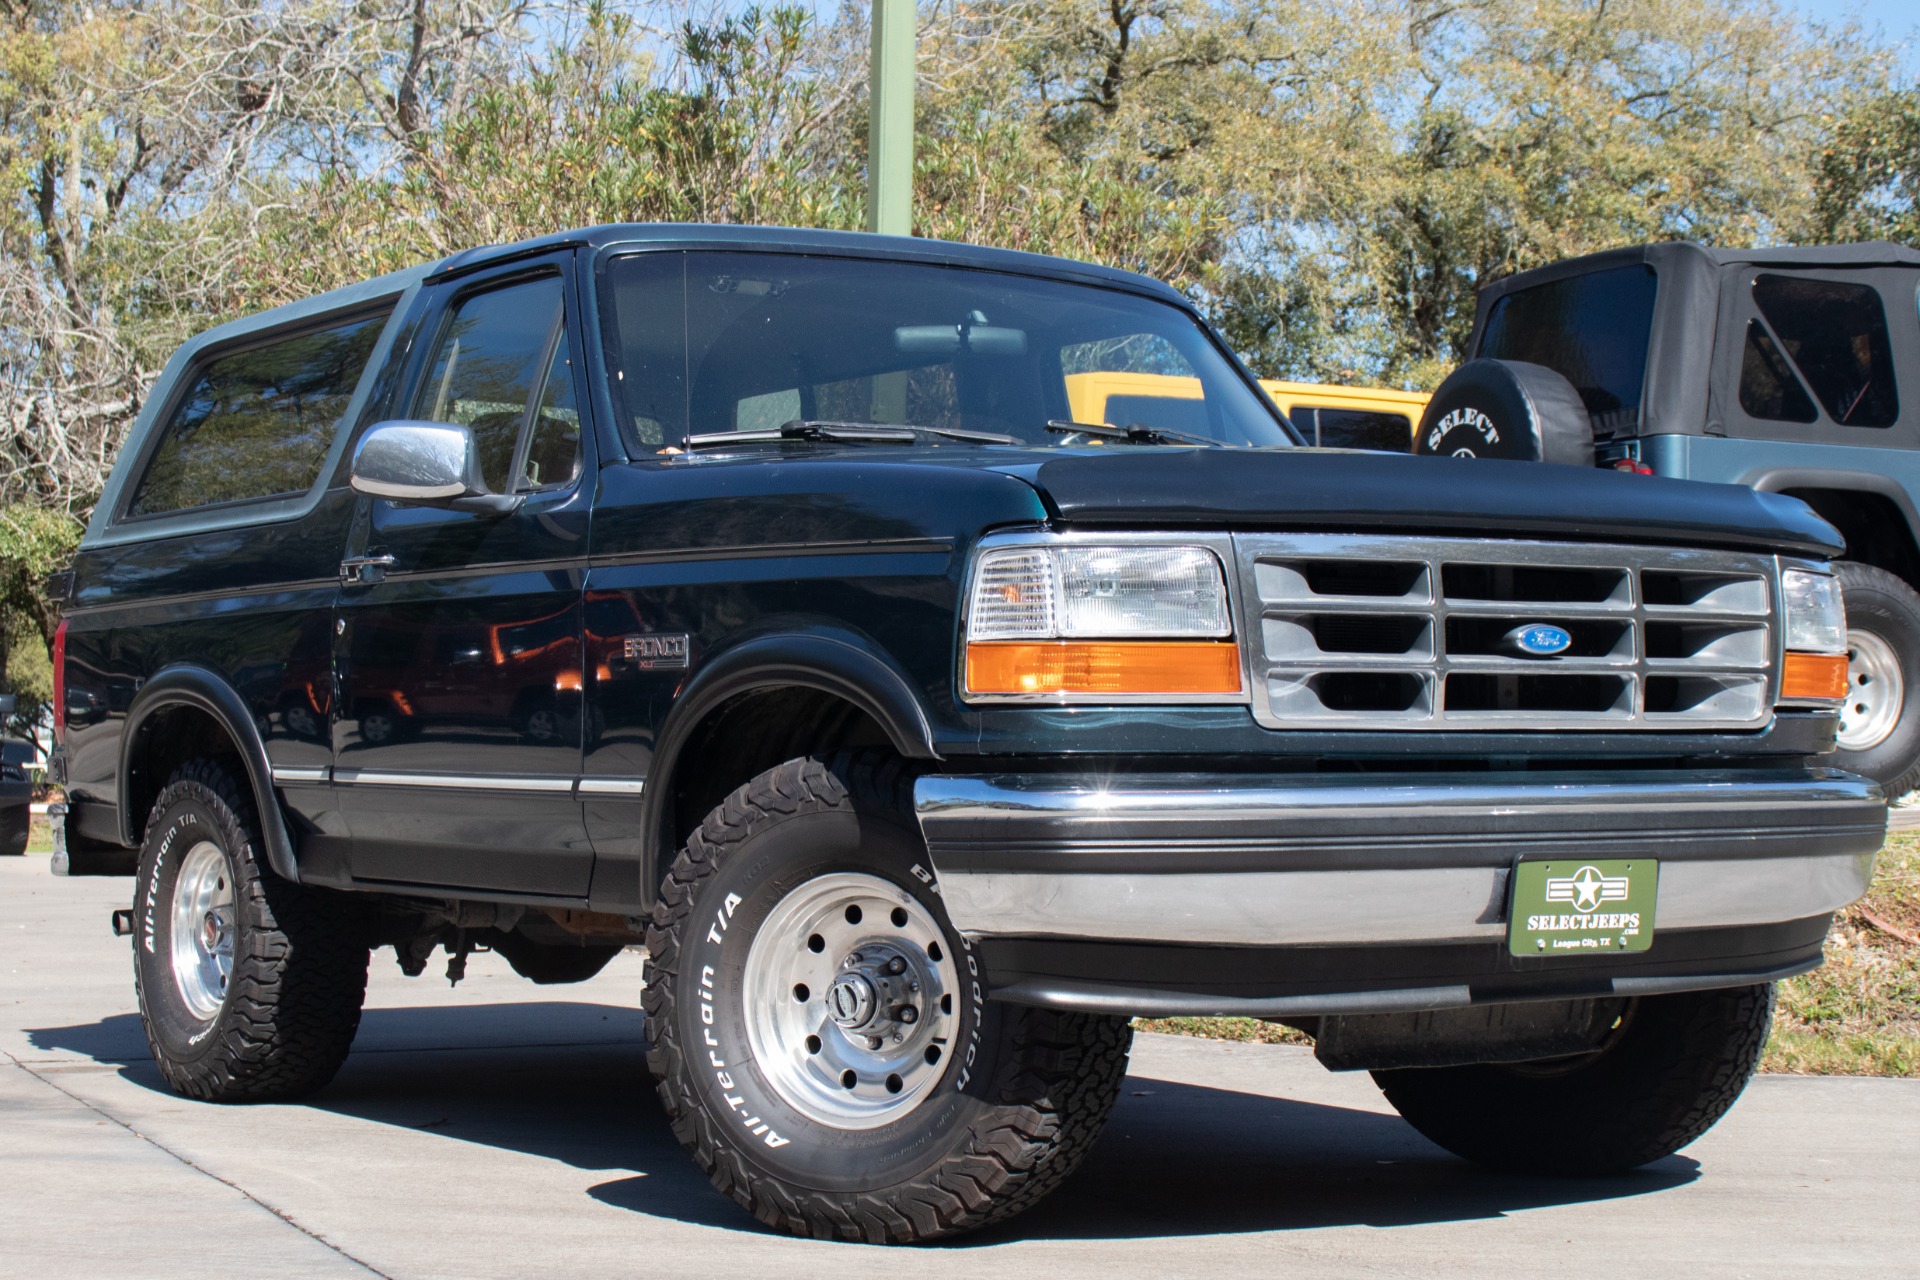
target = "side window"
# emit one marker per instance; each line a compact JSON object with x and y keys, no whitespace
{"x":257,"y":423}
{"x":1768,"y":389}
{"x":502,"y":369}
{"x":1836,"y":335}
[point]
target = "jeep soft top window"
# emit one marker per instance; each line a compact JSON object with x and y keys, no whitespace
{"x":1768,"y":388}
{"x":769,"y":338}
{"x":1592,"y":330}
{"x":256,"y":423}
{"x":500,"y":349}
{"x":1836,"y":336}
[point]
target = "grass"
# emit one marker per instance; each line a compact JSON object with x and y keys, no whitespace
{"x":39,"y":835}
{"x":1857,"y":1015}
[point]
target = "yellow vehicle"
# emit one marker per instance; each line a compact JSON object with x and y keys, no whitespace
{"x":1350,"y":417}
{"x":1337,"y":417}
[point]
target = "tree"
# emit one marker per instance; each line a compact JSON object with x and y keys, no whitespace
{"x":34,"y":542}
{"x":1867,"y":182}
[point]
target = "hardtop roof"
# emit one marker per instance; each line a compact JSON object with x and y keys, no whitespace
{"x":690,"y":235}
{"x":696,"y":236}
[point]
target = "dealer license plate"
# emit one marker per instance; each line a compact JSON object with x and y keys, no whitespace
{"x":1583,"y":907}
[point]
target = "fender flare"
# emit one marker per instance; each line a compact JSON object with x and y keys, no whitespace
{"x":838,"y":662}
{"x":1780,"y":479}
{"x":186,"y":685}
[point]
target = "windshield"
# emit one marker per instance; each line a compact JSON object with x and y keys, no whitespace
{"x":703,"y":343}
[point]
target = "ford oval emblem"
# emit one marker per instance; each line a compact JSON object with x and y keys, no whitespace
{"x":1538,"y":640}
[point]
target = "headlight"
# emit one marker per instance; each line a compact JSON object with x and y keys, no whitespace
{"x":1815,"y":665}
{"x":1100,"y":621}
{"x":1816,"y":615}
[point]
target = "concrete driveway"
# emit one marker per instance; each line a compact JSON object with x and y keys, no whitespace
{"x":501,"y":1129}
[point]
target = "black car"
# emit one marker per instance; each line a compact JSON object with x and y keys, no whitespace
{"x":16,"y":788}
{"x":752,"y":595}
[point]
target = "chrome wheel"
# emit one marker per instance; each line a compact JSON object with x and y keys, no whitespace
{"x":1876,"y":692}
{"x":849,"y":988}
{"x":202,"y":933}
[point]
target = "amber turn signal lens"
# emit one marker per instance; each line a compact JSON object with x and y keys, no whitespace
{"x":1814,"y":675}
{"x":1104,"y":667}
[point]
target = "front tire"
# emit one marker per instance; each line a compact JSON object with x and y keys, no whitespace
{"x":1880,"y":724}
{"x":250,"y":987}
{"x":821,"y":1035}
{"x":1670,"y":1069}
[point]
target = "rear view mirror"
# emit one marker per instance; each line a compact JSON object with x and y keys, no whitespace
{"x":8,"y":702}
{"x":951,"y":339}
{"x":430,"y":464}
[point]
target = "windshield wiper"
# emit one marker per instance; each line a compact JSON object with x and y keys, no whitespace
{"x":847,"y":433}
{"x":1136,"y":433}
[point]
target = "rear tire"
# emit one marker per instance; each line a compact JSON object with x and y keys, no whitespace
{"x":821,"y":1035}
{"x":1880,"y":724}
{"x":250,"y":987}
{"x":1672,"y":1067}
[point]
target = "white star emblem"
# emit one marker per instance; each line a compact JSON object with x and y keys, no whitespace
{"x":1587,"y":888}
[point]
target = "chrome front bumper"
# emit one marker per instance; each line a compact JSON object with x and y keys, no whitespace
{"x":1314,"y":860}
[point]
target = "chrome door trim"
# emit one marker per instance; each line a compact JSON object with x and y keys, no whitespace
{"x":449,"y":781}
{"x":611,"y":786}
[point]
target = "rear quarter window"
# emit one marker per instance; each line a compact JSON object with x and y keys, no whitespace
{"x":256,"y":423}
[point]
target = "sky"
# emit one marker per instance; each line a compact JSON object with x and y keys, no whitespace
{"x":1898,"y":22}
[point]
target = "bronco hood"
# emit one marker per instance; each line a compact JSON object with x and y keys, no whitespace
{"x":1350,"y":491}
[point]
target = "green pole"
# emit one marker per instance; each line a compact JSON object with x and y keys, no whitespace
{"x":890,"y":120}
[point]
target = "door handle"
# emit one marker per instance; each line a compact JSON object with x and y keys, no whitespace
{"x":365,"y":568}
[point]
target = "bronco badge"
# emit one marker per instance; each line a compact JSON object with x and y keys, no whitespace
{"x":656,"y":652}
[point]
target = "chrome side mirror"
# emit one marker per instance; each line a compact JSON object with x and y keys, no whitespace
{"x":429,"y":464}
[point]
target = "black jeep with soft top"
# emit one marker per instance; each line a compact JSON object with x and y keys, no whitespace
{"x":753,"y":595}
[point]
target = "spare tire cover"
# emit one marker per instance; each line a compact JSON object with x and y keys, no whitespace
{"x":1507,"y":409}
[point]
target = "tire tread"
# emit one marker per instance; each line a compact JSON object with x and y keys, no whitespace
{"x":295,"y":995}
{"x":1052,"y":1094}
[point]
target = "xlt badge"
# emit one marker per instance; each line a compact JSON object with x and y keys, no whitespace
{"x":656,"y":652}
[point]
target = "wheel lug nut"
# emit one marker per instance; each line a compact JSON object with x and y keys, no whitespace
{"x":906,"y":1013}
{"x":896,"y":965}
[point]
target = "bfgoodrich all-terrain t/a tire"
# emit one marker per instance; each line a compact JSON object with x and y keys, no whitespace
{"x":250,"y":987}
{"x":1670,"y":1069}
{"x":821,"y":1035}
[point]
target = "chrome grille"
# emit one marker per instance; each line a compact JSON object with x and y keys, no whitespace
{"x":1417,"y":633}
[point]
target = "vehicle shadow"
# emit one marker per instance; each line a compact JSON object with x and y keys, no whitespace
{"x":566,"y":1081}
